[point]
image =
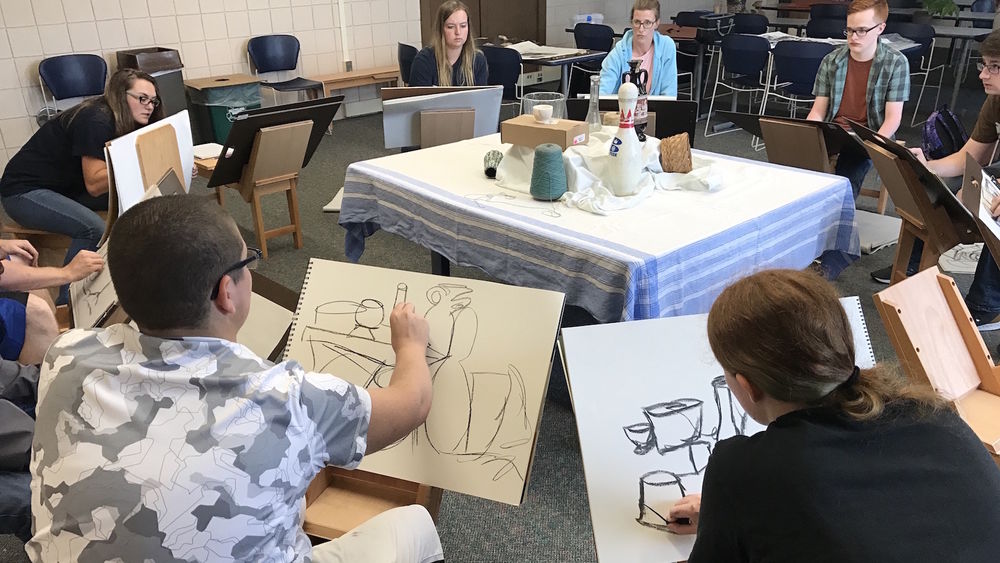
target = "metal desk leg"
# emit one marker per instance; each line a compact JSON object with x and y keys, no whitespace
{"x":440,"y":265}
{"x":699,"y":63}
{"x":960,"y":71}
{"x":564,"y":80}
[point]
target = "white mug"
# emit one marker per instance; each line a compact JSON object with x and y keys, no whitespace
{"x":542,"y":113}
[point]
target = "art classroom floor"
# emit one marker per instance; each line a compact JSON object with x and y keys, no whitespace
{"x":553,"y":523}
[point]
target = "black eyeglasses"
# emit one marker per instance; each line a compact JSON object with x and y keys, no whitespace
{"x":860,"y":31}
{"x":990,"y":68}
{"x":250,"y":262}
{"x":145,"y":100}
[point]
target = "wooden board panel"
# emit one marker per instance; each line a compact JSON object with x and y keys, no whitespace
{"x":158,"y":152}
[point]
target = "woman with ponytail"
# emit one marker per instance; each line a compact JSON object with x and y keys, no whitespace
{"x":855,"y":465}
{"x":452,"y":58}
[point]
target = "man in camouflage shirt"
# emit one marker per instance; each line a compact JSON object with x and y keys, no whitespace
{"x":175,"y":443}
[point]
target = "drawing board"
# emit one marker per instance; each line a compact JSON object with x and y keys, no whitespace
{"x":490,"y":354}
{"x":650,"y":403}
{"x":138,"y":159}
{"x":266,"y":324}
{"x":93,"y":298}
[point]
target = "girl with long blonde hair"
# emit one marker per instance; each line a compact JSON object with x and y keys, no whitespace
{"x":452,"y":58}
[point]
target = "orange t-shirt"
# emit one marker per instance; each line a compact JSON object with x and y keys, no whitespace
{"x":854,"y":102}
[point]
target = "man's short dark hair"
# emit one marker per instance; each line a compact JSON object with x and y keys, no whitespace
{"x":166,"y":254}
{"x":991,"y":45}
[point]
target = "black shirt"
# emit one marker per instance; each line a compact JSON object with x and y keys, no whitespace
{"x":424,"y":70}
{"x":51,"y":158}
{"x":816,"y":486}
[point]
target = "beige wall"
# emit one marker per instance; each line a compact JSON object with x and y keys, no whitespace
{"x":211,"y":36}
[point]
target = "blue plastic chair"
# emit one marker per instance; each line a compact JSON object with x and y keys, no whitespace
{"x":832,"y":11}
{"x":743,"y":67}
{"x":275,"y":53}
{"x":72,"y":76}
{"x":504,"y":69}
{"x":405,"y":55}
{"x":750,"y":24}
{"x":594,"y":37}
{"x":826,"y":28}
{"x":920,"y":58}
{"x":794,"y":65}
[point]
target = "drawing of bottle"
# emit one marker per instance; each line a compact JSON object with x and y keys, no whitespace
{"x":625,"y":151}
{"x":732,"y":420}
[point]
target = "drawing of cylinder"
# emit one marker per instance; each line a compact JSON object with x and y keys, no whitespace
{"x":675,"y":423}
{"x":732,"y":420}
{"x":658,"y":491}
{"x":401,"y":293}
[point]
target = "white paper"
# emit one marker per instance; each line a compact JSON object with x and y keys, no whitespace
{"x":93,"y":296}
{"x":988,"y":193}
{"x":125,"y":159}
{"x":207,"y":150}
{"x":490,"y":354}
{"x":532,"y":50}
{"x":650,"y":403}
{"x":401,"y":117}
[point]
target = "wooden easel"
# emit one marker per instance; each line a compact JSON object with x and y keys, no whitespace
{"x":937,"y":342}
{"x":274,"y":166}
{"x":921,"y":218}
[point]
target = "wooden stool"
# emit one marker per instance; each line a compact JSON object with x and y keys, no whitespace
{"x":881,"y":194}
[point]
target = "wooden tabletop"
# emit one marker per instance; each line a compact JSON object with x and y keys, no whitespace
{"x":220,"y":81}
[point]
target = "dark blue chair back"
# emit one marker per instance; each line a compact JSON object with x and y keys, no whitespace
{"x":826,"y":28}
{"x":405,"y":55}
{"x":594,"y":36}
{"x":745,"y":55}
{"x":798,"y":62}
{"x":751,"y":24}
{"x":691,"y":18}
{"x":918,"y":32}
{"x":982,"y":6}
{"x":904,"y":4}
{"x":828,"y":11}
{"x":270,"y":53}
{"x":504,"y":68}
{"x":73,"y":76}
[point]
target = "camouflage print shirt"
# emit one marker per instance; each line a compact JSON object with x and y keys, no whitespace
{"x":190,"y":449}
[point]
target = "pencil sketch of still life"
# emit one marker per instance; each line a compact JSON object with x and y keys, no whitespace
{"x":480,"y":413}
{"x":677,"y":431}
{"x":92,"y":297}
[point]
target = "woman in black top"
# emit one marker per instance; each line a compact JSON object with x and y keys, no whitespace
{"x":59,"y":178}
{"x":452,"y":58}
{"x":855,"y":465}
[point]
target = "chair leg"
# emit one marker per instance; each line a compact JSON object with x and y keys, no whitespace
{"x":883,"y":199}
{"x":258,"y":222}
{"x":916,"y":106}
{"x":711,"y":104}
{"x":219,"y":196}
{"x":293,"y":211}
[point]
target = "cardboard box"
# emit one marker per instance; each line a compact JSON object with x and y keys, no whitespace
{"x":524,"y":131}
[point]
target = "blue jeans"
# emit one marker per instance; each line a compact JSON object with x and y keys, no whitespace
{"x":51,"y":211}
{"x":853,"y":164}
{"x":984,"y":293}
{"x":15,"y":504}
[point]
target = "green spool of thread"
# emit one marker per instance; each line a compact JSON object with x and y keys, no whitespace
{"x":548,"y":177}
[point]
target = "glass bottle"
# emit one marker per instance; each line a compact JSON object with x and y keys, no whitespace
{"x":594,"y":111}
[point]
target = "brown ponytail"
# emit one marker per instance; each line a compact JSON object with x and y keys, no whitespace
{"x":786,"y":332}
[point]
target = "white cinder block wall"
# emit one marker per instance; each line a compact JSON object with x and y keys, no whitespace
{"x":559,"y":14}
{"x":211,"y":36}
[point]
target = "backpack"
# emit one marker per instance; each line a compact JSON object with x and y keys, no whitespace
{"x":943,"y":134}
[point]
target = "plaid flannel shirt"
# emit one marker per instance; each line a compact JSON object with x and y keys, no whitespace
{"x":888,"y":81}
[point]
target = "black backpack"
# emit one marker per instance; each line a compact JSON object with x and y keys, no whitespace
{"x":943,"y":134}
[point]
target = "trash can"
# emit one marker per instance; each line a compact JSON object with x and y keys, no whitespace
{"x":217,"y":101}
{"x":165,"y":66}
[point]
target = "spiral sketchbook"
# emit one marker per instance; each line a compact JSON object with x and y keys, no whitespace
{"x":651,"y":402}
{"x":490,"y":354}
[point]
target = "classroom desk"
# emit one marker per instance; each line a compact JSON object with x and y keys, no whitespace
{"x":670,"y":255}
{"x":964,"y":36}
{"x":564,"y":63}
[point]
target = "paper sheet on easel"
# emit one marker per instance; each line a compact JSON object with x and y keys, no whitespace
{"x":127,"y":165}
{"x":94,"y":296}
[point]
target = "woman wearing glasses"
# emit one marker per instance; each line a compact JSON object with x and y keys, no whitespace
{"x":59,"y":178}
{"x":452,"y":58}
{"x":656,"y":51}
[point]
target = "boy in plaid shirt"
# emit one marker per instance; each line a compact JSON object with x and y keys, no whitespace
{"x":863,"y":81}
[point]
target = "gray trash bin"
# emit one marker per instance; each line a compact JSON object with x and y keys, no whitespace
{"x":165,"y":66}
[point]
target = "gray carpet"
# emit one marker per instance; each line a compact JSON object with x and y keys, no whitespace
{"x":553,"y":523}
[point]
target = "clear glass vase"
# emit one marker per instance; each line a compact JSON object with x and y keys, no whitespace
{"x":594,"y":111}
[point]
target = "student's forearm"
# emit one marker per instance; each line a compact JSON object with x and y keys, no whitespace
{"x":411,"y":376}
{"x":98,"y":185}
{"x":19,"y":277}
{"x":949,"y":166}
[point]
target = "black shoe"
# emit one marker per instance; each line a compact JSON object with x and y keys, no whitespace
{"x":884,"y":275}
{"x":986,"y":321}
